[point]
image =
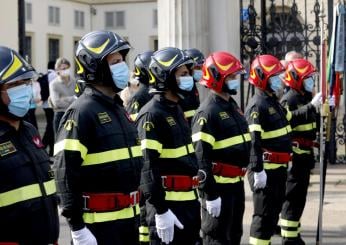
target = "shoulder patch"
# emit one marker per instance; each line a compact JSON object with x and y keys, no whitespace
{"x":7,"y":148}
{"x":223,"y":115}
{"x":104,"y":117}
{"x":69,"y":124}
{"x":171,"y":121}
{"x":254,"y":114}
{"x":135,"y":105}
{"x":201,"y":121}
{"x":271,"y":110}
{"x":148,"y":126}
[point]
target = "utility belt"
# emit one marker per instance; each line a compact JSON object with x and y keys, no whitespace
{"x":276,"y":157}
{"x":104,"y":202}
{"x":305,"y":143}
{"x":179,"y":182}
{"x":228,"y":170}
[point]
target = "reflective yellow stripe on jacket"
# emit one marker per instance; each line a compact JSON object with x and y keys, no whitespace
{"x":221,"y":143}
{"x":305,"y":127}
{"x":270,"y":134}
{"x":125,"y":213}
{"x":227,"y":180}
{"x":26,"y":193}
{"x":70,"y":145}
{"x":180,"y":195}
{"x":257,"y":241}
{"x":177,"y":152}
{"x":143,"y":234}
{"x":190,"y":113}
{"x":112,"y":155}
{"x":271,"y":166}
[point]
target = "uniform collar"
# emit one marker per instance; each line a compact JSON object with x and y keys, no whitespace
{"x":4,"y":128}
{"x":162,"y":99}
{"x":94,"y":92}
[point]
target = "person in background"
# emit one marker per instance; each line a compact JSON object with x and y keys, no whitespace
{"x":45,"y":80}
{"x":221,"y":140}
{"x":28,"y":202}
{"x":61,"y":90}
{"x":131,"y":88}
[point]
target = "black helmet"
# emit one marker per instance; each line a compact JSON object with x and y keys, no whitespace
{"x":91,"y":52}
{"x":196,"y":55}
{"x":13,"y":67}
{"x":163,"y":65}
{"x":141,"y":69}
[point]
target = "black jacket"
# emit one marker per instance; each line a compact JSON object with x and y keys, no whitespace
{"x":97,"y":150}
{"x":269,"y":126}
{"x":189,"y":103}
{"x":138,"y":100}
{"x":27,"y":187}
{"x":167,"y":147}
{"x":220,"y":134}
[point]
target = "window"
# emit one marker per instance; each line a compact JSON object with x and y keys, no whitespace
{"x":27,"y":49}
{"x":28,"y":12}
{"x":115,"y":19}
{"x":79,"y":19}
{"x":53,"y":48}
{"x":53,"y":15}
{"x":155,"y":18}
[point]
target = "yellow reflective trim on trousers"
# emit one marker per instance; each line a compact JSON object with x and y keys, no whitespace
{"x":26,"y":193}
{"x":289,"y":234}
{"x":276,"y":133}
{"x":257,"y":241}
{"x":125,"y":213}
{"x":190,"y":113}
{"x":70,"y":145}
{"x":298,"y":151}
{"x":255,"y":127}
{"x":112,"y":155}
{"x":289,"y":223}
{"x":151,"y":145}
{"x":288,"y":115}
{"x":227,"y":180}
{"x":143,"y":229}
{"x":305,"y":127}
{"x":177,"y":152}
{"x":204,"y":137}
{"x":143,"y":238}
{"x":270,"y":166}
{"x":231,"y":141}
{"x":133,"y":116}
{"x":180,"y":195}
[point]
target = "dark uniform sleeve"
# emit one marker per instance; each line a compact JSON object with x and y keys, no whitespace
{"x":69,"y":151}
{"x":151,"y":183}
{"x":256,"y":154}
{"x":133,"y":108}
{"x":203,"y":141}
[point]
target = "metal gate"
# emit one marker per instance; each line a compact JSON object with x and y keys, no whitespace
{"x":276,"y":27}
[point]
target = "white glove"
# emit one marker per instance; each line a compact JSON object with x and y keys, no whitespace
{"x":332,"y":101}
{"x":317,"y":100}
{"x":165,"y":225}
{"x":214,"y":207}
{"x":83,"y":237}
{"x":260,"y":180}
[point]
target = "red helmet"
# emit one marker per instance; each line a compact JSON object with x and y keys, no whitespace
{"x":262,"y":68}
{"x":217,"y":67}
{"x":297,"y":71}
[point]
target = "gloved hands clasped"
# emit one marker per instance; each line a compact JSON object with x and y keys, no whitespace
{"x":83,"y":237}
{"x":165,"y":225}
{"x":214,"y":207}
{"x":317,"y":100}
{"x":260,"y":180}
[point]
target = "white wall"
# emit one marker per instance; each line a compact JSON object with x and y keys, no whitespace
{"x":9,"y":24}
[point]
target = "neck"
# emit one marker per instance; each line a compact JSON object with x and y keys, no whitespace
{"x":222,"y":94}
{"x":13,"y":122}
{"x":171,"y":96}
{"x":108,"y":91}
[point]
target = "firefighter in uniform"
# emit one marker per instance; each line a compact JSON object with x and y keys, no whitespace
{"x":141,"y":73}
{"x":271,"y":147}
{"x":222,"y":143}
{"x":28,"y":204}
{"x":97,"y":153}
{"x":169,"y":175}
{"x":190,"y":98}
{"x":299,"y":77}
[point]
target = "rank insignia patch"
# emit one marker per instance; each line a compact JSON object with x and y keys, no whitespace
{"x":104,"y":117}
{"x":7,"y":148}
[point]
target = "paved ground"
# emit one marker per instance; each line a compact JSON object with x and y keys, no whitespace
{"x":334,"y":215}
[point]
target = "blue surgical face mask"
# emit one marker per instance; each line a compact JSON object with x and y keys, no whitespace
{"x":197,"y":75}
{"x":20,"y":97}
{"x":185,"y":83}
{"x":233,"y":84}
{"x":120,"y":74}
{"x":275,"y":83}
{"x":308,"y":84}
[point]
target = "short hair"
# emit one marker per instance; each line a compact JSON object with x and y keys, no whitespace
{"x":293,"y":55}
{"x":61,"y":61}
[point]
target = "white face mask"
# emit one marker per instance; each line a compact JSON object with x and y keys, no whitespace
{"x":65,"y":73}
